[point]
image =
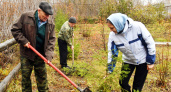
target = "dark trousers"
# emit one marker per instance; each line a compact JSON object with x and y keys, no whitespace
{"x":139,"y":77}
{"x":40,"y":73}
{"x":63,"y":52}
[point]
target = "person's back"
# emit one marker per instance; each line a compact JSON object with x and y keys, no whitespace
{"x":65,"y":32}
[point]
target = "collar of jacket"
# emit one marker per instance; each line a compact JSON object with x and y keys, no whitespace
{"x":32,"y":15}
{"x":128,"y":24}
{"x":130,"y":21}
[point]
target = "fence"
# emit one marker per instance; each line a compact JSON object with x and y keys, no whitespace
{"x":5,"y":82}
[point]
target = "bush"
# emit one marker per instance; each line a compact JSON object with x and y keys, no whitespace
{"x":76,"y":52}
{"x":149,"y":14}
{"x":60,"y":18}
{"x":107,"y":8}
{"x":146,"y":14}
{"x":124,"y":6}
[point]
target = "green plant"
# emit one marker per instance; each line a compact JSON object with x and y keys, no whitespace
{"x":145,"y":14}
{"x":78,"y":69}
{"x":60,"y":18}
{"x":76,"y":52}
{"x":124,"y":6}
{"x":107,"y":84}
{"x":107,"y":8}
{"x":81,"y":69}
{"x":160,"y":11}
{"x":148,"y":14}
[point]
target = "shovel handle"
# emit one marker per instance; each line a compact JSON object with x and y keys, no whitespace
{"x":50,"y":64}
{"x":41,"y":56}
{"x":73,"y":51}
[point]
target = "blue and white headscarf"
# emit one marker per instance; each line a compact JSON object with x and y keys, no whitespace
{"x":118,"y":20}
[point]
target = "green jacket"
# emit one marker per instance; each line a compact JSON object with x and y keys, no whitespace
{"x":66,"y":33}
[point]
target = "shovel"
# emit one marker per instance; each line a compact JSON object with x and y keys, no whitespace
{"x":61,"y":73}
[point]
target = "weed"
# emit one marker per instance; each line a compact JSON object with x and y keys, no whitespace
{"x":78,"y":69}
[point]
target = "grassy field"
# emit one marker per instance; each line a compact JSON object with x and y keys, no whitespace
{"x":90,"y":65}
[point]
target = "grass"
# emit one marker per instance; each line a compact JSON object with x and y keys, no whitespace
{"x":90,"y":67}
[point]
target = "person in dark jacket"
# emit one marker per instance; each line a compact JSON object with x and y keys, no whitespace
{"x":35,"y":28}
{"x":64,"y":40}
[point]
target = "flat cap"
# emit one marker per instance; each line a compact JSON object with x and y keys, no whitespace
{"x":46,"y":7}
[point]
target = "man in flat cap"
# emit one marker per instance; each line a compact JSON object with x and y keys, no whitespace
{"x":35,"y":28}
{"x":64,"y":40}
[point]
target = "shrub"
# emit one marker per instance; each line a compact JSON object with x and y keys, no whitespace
{"x":146,"y":14}
{"x":76,"y":52}
{"x":124,"y":6}
{"x":107,"y":8}
{"x":60,"y":18}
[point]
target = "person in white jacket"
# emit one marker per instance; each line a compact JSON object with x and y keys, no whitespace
{"x":137,"y":47}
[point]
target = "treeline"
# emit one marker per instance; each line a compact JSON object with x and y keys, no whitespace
{"x":93,"y":9}
{"x":83,"y":10}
